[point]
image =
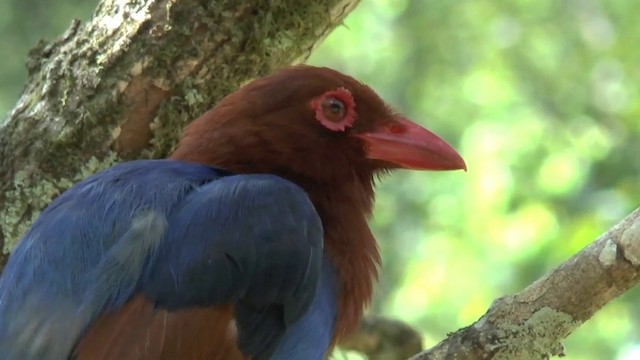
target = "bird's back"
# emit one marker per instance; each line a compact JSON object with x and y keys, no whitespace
{"x":63,"y":271}
{"x":165,"y":259}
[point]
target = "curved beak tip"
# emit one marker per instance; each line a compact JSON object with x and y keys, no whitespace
{"x":460,"y":164}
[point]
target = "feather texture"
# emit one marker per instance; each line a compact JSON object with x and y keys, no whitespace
{"x":201,"y":237}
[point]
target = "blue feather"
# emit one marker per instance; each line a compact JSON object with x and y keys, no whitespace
{"x":183,"y":235}
{"x":313,"y":333}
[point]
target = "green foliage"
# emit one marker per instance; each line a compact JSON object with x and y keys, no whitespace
{"x":541,"y":98}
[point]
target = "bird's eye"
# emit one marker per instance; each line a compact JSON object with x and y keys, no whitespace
{"x":335,"y":109}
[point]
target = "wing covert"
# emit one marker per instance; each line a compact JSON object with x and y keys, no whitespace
{"x":183,"y":235}
{"x":252,"y":240}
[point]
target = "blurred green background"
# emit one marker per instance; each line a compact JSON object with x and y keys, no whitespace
{"x":542,"y":99}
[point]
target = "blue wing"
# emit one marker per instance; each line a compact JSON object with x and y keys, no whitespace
{"x":311,"y":336}
{"x":183,"y":235}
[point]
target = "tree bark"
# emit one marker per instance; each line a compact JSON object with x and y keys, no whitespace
{"x":124,"y":84}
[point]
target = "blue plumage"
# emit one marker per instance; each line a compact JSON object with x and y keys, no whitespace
{"x":183,"y":235}
{"x":314,"y":332}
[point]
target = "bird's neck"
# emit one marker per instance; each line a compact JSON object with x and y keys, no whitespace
{"x":344,"y":211}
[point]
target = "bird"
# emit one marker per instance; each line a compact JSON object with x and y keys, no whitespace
{"x":250,"y":241}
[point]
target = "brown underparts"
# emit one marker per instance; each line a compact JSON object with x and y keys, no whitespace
{"x":142,"y":100}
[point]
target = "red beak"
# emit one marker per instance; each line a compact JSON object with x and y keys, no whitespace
{"x":410,"y":146}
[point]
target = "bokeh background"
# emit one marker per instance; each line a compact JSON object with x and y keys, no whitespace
{"x":542,"y":99}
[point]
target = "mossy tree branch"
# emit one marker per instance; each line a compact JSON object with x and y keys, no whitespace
{"x":123,"y":85}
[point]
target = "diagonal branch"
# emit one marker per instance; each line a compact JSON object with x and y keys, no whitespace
{"x":532,"y":323}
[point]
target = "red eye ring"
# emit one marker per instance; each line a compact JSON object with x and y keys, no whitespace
{"x":335,"y":109}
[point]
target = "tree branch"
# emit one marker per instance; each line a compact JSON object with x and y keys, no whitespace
{"x":531,"y":324}
{"x":124,"y":84}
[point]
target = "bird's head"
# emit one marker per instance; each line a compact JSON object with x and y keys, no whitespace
{"x":307,"y":123}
